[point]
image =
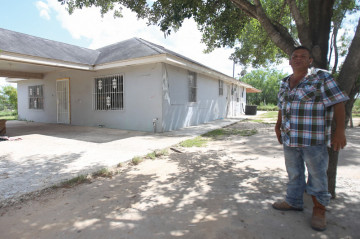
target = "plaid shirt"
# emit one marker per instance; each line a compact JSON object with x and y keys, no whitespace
{"x":305,"y":109}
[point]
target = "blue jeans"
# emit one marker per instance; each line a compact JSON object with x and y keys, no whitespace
{"x":316,"y":159}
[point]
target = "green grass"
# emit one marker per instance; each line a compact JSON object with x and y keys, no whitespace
{"x":270,"y":114}
{"x":195,"y":142}
{"x":163,"y":152}
{"x":218,"y":133}
{"x":8,"y":115}
{"x":269,"y":107}
{"x":151,"y":155}
{"x":104,"y":172}
{"x":136,"y":160}
{"x":73,"y":182}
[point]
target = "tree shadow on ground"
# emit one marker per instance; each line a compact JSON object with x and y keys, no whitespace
{"x":196,"y":195}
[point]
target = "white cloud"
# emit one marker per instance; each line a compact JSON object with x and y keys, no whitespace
{"x":106,"y":30}
{"x":43,"y":10}
{"x":3,"y":82}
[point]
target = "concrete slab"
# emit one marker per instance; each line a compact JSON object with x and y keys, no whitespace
{"x":41,"y":155}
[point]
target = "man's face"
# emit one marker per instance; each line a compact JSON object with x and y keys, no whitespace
{"x":300,"y":60}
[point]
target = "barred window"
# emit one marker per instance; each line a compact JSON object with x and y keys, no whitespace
{"x":36,"y":97}
{"x":221,"y":87}
{"x":192,"y":86}
{"x":109,"y":93}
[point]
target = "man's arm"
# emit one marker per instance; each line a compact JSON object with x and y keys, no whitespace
{"x":278,"y":127}
{"x":338,"y":139}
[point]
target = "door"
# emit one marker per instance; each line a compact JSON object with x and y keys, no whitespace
{"x":63,"y":101}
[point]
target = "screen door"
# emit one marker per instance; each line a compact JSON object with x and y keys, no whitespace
{"x":63,"y":101}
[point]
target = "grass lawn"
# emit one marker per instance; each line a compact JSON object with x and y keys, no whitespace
{"x":8,"y":115}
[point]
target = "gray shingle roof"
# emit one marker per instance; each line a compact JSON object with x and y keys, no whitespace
{"x":20,"y":43}
{"x":125,"y":50}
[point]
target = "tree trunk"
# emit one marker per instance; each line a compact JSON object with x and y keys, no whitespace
{"x":331,"y":172}
{"x":347,"y":81}
{"x":320,"y":13}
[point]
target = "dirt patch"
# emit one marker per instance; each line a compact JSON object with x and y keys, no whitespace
{"x":223,"y":190}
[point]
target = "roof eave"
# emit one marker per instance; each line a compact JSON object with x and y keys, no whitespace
{"x":15,"y":57}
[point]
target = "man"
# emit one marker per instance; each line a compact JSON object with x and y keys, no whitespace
{"x":308,"y":101}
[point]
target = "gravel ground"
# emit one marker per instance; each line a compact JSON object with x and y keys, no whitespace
{"x":222,"y":190}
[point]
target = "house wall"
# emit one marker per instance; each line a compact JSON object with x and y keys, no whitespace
{"x":48,"y":114}
{"x":178,"y":112}
{"x":142,"y":98}
{"x":154,"y":91}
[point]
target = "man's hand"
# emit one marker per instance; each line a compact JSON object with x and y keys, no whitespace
{"x":338,"y":140}
{"x":278,"y":134}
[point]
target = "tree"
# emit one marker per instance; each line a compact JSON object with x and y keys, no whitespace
{"x":8,"y":98}
{"x":268,"y":82}
{"x":262,"y":31}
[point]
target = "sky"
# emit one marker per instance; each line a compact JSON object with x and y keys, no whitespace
{"x":86,"y":28}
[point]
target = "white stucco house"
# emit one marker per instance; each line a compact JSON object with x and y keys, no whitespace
{"x":131,"y":85}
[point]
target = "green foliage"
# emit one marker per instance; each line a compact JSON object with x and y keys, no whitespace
{"x":266,"y":81}
{"x":255,"y":48}
{"x":356,"y":108}
{"x":227,"y":23}
{"x":8,"y":98}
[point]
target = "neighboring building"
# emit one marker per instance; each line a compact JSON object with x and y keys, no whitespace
{"x":129,"y":85}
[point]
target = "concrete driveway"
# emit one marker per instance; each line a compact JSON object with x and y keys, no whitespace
{"x":42,"y":155}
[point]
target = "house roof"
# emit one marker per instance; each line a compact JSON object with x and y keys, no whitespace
{"x":134,"y":48}
{"x":27,"y":49}
{"x":24,"y":44}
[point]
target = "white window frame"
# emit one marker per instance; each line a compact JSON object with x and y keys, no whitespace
{"x":108,"y":93}
{"x":36,"y":97}
{"x":192,"y":76}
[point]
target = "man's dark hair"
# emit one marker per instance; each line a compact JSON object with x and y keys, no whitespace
{"x":302,"y":47}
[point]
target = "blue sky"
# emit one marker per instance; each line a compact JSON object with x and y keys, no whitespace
{"x":24,"y":16}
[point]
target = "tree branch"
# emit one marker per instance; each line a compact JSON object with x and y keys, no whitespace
{"x":277,"y":34}
{"x":246,"y":7}
{"x":303,"y":28}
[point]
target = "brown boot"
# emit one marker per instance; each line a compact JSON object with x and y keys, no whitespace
{"x":318,"y":220}
{"x":284,"y":206}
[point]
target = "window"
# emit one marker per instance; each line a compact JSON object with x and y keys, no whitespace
{"x":192,"y":86}
{"x":221,"y":87}
{"x":36,"y":97}
{"x":109,"y":93}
